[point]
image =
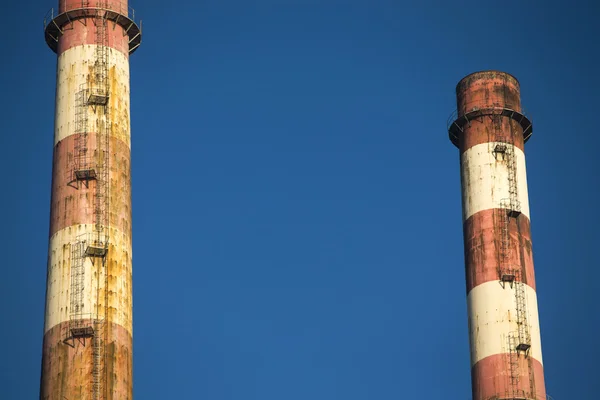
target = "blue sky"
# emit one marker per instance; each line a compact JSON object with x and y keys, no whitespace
{"x":296,"y":202}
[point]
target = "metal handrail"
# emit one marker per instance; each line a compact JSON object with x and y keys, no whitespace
{"x":118,"y":12}
{"x":121,"y":7}
{"x":87,"y":315}
{"x":495,"y":106}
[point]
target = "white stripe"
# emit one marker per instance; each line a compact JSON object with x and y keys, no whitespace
{"x":492,"y":316}
{"x":59,"y":278}
{"x":75,"y":67}
{"x":485,"y":179}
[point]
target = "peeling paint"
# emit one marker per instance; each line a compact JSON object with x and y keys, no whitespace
{"x":66,"y":370}
{"x":487,"y":382}
{"x":482,"y":249}
{"x":488,"y":88}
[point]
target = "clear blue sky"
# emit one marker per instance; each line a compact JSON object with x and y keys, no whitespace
{"x":297,"y":216}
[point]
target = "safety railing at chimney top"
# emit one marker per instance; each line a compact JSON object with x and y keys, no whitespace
{"x":117,"y":11}
{"x":118,"y":6}
{"x":475,"y":106}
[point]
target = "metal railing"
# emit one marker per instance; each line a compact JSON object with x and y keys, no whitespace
{"x":119,"y":6}
{"x":117,"y":11}
{"x":494,"y":106}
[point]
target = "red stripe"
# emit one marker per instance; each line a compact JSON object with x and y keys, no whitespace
{"x":480,"y":131}
{"x":482,"y":90}
{"x":491,"y":377}
{"x":70,"y":206}
{"x":487,"y":88}
{"x":482,"y":245}
{"x":118,"y":5}
{"x":67,"y":371}
{"x":80,"y":34}
{"x":83,"y":31}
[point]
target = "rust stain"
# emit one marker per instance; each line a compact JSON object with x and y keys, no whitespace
{"x":483,"y":90}
{"x":523,"y":249}
{"x":118,"y":106}
{"x":70,"y":206}
{"x":478,"y":132}
{"x":482,"y":249}
{"x":488,"y":88}
{"x":490,"y":377}
{"x":120,"y":280}
{"x":66,"y":370}
{"x":84,"y":31}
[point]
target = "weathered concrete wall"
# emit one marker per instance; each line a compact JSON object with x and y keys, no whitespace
{"x":119,"y":274}
{"x":488,"y":88}
{"x":66,"y":371}
{"x":490,"y":378}
{"x":482,"y":248}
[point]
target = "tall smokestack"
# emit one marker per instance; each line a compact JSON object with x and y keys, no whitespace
{"x":87,"y":346}
{"x":490,"y":131}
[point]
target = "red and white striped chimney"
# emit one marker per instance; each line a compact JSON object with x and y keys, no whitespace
{"x":490,"y":130}
{"x":88,"y":338}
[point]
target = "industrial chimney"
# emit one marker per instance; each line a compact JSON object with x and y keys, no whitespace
{"x":490,"y":130}
{"x":87,"y":345}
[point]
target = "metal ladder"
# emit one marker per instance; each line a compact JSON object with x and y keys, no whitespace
{"x":513,"y":364}
{"x":81,"y":160}
{"x":523,"y":335}
{"x":510,"y":157}
{"x":507,"y":272}
{"x":84,"y":169}
{"x":519,"y":341}
{"x":509,"y":207}
{"x":99,"y":100}
{"x":98,"y":360}
{"x":77,"y":287}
